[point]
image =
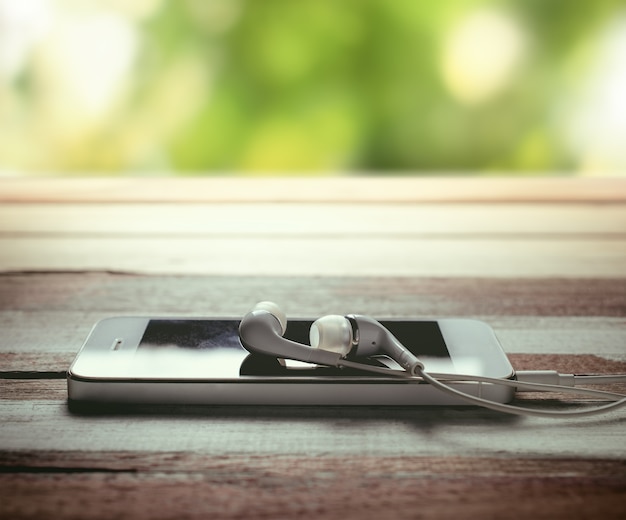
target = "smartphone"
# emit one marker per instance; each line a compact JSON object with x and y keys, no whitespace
{"x":201,"y":361}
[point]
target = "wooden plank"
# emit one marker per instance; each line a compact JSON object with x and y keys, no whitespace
{"x":354,"y":256}
{"x":601,"y":337}
{"x":320,"y":487}
{"x":304,"y":466}
{"x":37,"y":362}
{"x":32,"y":389}
{"x":315,"y":220}
{"x":331,"y":189}
{"x":48,"y":425}
{"x":329,"y":239}
{"x":91,"y":292}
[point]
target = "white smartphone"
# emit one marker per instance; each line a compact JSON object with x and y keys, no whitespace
{"x":201,"y":361}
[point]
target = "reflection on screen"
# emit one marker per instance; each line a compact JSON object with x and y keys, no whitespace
{"x":191,"y":334}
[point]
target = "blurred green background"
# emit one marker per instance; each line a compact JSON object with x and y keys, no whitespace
{"x":314,"y":87}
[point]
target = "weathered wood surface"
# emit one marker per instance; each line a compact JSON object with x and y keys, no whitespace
{"x":47,"y":315}
{"x":335,"y":189}
{"x":369,"y":239}
{"x":175,"y":485}
{"x":391,"y":220}
{"x":544,"y":262}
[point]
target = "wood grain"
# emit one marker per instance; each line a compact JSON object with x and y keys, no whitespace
{"x":438,"y":188}
{"x":545,"y":240}
{"x":27,"y":293}
{"x":341,"y":220}
{"x":302,"y":257}
{"x":172,"y":485}
{"x":265,"y":431}
{"x":302,"y":467}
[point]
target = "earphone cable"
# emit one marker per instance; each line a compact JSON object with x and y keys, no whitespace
{"x":589,"y":379}
{"x":619,"y":400}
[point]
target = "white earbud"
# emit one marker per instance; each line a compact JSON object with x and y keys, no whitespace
{"x":360,"y":336}
{"x":275,"y":311}
{"x":261,"y":331}
{"x":333,"y":333}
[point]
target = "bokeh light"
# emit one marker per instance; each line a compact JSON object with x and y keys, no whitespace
{"x":315,"y":87}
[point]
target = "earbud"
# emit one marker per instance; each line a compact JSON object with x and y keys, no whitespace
{"x":275,"y":311}
{"x":360,"y":336}
{"x":262,"y":329}
{"x":333,"y":333}
{"x":332,"y":338}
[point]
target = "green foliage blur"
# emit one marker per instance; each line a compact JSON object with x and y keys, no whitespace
{"x":315,"y":87}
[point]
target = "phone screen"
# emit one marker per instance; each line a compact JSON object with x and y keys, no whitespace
{"x":215,"y":345}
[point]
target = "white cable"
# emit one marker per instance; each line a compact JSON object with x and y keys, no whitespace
{"x":529,"y":386}
{"x":552,"y":377}
{"x":619,"y":400}
{"x":520,"y":410}
{"x":599,"y":379}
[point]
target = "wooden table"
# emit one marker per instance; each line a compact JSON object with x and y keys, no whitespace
{"x":542,"y":260}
